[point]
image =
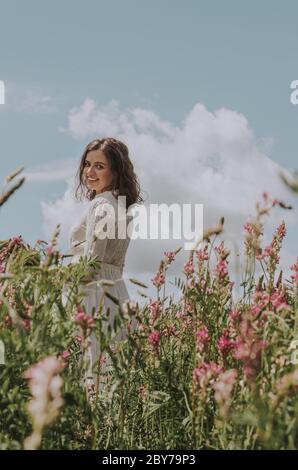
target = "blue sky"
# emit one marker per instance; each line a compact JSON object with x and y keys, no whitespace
{"x":165,"y":56}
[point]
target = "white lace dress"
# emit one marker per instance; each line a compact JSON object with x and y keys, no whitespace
{"x":85,"y":240}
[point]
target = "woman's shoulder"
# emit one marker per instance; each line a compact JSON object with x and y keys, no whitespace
{"x":105,"y":196}
{"x":107,"y":205}
{"x":103,"y":201}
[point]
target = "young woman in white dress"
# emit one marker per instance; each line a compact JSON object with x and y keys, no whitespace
{"x":105,"y":173}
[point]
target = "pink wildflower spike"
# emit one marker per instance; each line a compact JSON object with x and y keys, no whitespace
{"x":278,"y":300}
{"x":223,"y":388}
{"x":154,"y":338}
{"x":159,"y":279}
{"x":225,"y":345}
{"x":170,"y":256}
{"x":202,"y":254}
{"x":221,"y":269}
{"x":45,"y":385}
{"x":205,"y":373}
{"x":26,"y":324}
{"x":155,"y":309}
{"x":49,"y":250}
{"x":248,"y":349}
{"x":65,"y":354}
{"x":17,"y":240}
{"x":188,"y":268}
{"x":248,"y":227}
{"x":294,"y":276}
{"x":202,"y":338}
{"x":85,"y":321}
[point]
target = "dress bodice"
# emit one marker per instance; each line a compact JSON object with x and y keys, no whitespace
{"x":87,"y":238}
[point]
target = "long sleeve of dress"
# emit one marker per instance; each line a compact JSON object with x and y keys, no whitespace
{"x":96,"y":227}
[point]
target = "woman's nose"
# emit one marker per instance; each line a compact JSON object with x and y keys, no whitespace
{"x":90,"y":171}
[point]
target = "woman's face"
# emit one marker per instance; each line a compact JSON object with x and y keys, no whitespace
{"x":97,"y":174}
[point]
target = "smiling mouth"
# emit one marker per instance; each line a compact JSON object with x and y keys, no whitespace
{"x":92,"y":180}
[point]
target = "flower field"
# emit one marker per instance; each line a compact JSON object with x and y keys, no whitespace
{"x":210,"y":371}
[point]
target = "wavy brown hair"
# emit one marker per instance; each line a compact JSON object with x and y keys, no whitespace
{"x":125,"y":181}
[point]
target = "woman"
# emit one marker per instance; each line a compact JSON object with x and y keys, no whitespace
{"x":105,"y":174}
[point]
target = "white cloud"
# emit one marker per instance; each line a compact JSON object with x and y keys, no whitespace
{"x":57,"y":170}
{"x":66,"y":212}
{"x":212,"y":158}
{"x":29,"y":98}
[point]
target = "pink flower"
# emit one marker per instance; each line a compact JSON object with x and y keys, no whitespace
{"x":262,"y":299}
{"x":188,"y":268}
{"x":255,"y":309}
{"x":159,"y":279}
{"x":154,"y":338}
{"x":181,"y":314}
{"x":248,"y":349}
{"x":235,"y":315}
{"x":186,"y":320}
{"x":278,"y":301}
{"x":170,"y":256}
{"x":169,"y":330}
{"x":85,"y":321}
{"x":248,"y":227}
{"x":221,"y":269}
{"x":191,"y":283}
{"x":49,"y":250}
{"x":44,"y":368}
{"x":17,"y":240}
{"x":253,"y":230}
{"x":45,"y":385}
{"x":26,"y":324}
{"x":271,"y":252}
{"x":202,"y":338}
{"x":155,"y":309}
{"x":281,"y":230}
{"x":223,"y":388}
{"x":202,"y":255}
{"x":7,"y":320}
{"x":221,"y":251}
{"x":294,"y":276}
{"x":2,"y":268}
{"x":80,"y":317}
{"x":189,"y":306}
{"x":65,"y":354}
{"x":78,"y":339}
{"x":205,"y":373}
{"x":225,"y":344}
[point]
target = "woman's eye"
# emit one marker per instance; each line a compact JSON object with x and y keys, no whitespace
{"x":98,"y":167}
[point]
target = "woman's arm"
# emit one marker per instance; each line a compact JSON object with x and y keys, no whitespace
{"x":100,"y":225}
